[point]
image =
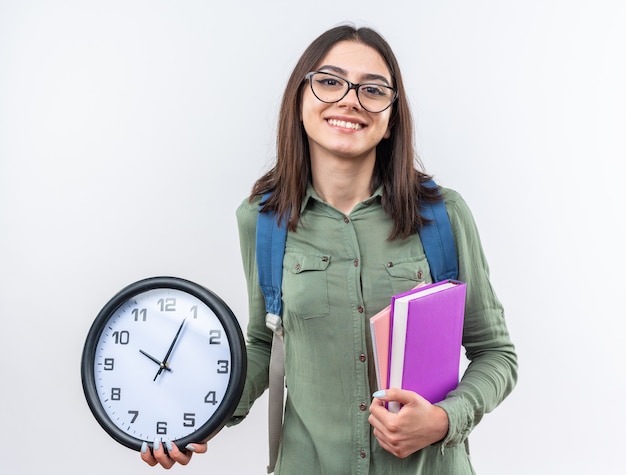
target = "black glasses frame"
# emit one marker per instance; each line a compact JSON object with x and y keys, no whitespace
{"x":354,"y":86}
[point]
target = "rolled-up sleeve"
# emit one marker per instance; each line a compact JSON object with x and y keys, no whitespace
{"x":492,"y":371}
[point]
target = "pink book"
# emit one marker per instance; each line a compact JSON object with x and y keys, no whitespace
{"x":380,"y":327}
{"x":426,"y":334}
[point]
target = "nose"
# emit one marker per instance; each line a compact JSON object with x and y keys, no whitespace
{"x":351,"y":99}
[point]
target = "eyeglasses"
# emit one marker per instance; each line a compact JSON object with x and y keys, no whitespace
{"x":331,"y":88}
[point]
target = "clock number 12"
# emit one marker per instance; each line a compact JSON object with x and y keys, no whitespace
{"x":167,"y":305}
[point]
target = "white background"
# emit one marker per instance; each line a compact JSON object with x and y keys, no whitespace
{"x":131,"y":130}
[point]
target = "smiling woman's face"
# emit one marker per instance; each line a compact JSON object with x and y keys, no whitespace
{"x":344,"y":128}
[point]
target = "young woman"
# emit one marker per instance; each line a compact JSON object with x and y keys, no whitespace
{"x":346,"y":179}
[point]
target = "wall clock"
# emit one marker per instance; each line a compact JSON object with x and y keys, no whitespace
{"x":164,"y":359}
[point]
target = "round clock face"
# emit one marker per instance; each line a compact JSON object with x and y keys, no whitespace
{"x":164,"y":359}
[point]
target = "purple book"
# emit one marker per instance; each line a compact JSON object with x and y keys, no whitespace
{"x":426,"y":334}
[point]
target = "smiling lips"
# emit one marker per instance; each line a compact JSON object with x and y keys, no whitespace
{"x":344,"y":124}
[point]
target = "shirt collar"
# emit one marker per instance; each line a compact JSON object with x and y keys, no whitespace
{"x":311,"y":194}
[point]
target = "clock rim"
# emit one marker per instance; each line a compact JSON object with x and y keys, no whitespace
{"x":237,"y":354}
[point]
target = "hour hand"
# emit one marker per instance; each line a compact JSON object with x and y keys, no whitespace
{"x":155,"y":360}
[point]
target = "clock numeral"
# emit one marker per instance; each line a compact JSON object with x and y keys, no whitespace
{"x":222,"y":366}
{"x":116,"y":394}
{"x":121,"y":338}
{"x":135,"y":414}
{"x":167,"y":305}
{"x":140,"y":313}
{"x":194,"y":311}
{"x":214,"y":337}
{"x":190,"y":419}
{"x":109,"y":363}
{"x":211,"y":398}
{"x":161,"y":428}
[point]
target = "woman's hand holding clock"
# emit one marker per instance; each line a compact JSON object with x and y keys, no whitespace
{"x":167,"y":454}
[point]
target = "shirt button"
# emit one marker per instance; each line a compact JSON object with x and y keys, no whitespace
{"x":362,"y":357}
{"x":389,"y":264}
{"x":419,"y":274}
{"x":346,"y":220}
{"x":363,"y":454}
{"x":363,"y":406}
{"x":356,"y":263}
{"x":360,"y":309}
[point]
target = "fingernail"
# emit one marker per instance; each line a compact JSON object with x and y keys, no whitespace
{"x":144,"y":447}
{"x":168,"y":444}
{"x":380,"y":393}
{"x":157,"y":444}
{"x":190,"y":447}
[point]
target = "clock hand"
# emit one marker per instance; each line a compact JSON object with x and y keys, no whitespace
{"x":163,"y":365}
{"x":154,"y":359}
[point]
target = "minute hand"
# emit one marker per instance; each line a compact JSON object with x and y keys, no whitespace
{"x":163,"y":364}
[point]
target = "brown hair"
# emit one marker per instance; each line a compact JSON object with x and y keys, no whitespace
{"x":396,"y":160}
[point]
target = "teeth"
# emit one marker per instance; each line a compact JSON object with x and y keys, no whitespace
{"x":344,"y":124}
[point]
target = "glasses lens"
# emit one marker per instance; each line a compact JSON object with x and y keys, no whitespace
{"x":327,"y":87}
{"x":372,"y":97}
{"x":375,"y":97}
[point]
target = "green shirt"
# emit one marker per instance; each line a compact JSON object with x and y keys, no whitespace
{"x":338,"y":271}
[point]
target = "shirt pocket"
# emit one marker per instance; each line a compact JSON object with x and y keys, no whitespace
{"x":406,"y":273}
{"x":305,"y":284}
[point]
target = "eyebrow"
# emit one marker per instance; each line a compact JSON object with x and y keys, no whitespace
{"x":343,"y":72}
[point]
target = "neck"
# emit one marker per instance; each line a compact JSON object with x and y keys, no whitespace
{"x":343,"y":183}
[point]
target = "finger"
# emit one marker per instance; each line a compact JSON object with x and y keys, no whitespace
{"x":383,"y":443}
{"x":146,"y":455}
{"x":381,"y":404}
{"x":402,"y":396}
{"x":197,"y":448}
{"x":377,"y":404}
{"x":377,"y":409}
{"x":159,"y":454}
{"x":182,"y":457}
{"x":375,"y":422}
{"x":381,"y":432}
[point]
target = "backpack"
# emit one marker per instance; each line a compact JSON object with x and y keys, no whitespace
{"x":438,"y":242}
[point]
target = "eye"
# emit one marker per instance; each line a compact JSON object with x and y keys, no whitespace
{"x":375,"y":90}
{"x":329,"y":82}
